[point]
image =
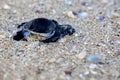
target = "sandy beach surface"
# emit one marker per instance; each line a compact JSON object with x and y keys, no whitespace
{"x":92,"y":53}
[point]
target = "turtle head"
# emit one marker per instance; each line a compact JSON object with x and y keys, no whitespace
{"x":69,"y":29}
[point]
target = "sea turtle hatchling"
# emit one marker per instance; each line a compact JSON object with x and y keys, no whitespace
{"x":48,"y":28}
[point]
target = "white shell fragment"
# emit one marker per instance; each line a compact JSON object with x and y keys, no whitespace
{"x":6,"y":6}
{"x":70,"y":14}
{"x":82,"y":54}
{"x":68,"y":2}
{"x":100,"y":17}
{"x":95,"y":58}
{"x":83,"y":14}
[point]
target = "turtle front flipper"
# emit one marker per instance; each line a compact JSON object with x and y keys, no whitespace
{"x":53,"y":38}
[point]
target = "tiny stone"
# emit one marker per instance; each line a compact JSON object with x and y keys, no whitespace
{"x":101,"y":18}
{"x":81,"y":76}
{"x":86,"y":73}
{"x":75,"y":13}
{"x":104,"y":1}
{"x":93,"y":72}
{"x":60,"y":0}
{"x":85,"y":3}
{"x":92,"y":66}
{"x":83,"y":14}
{"x":82,"y":54}
{"x":52,"y":60}
{"x":115,"y":15}
{"x":68,"y":71}
{"x":114,"y":41}
{"x":38,"y":11}
{"x":111,"y":42}
{"x":74,"y":48}
{"x":117,"y":41}
{"x":53,"y":11}
{"x":90,"y":8}
{"x":118,"y":23}
{"x":62,"y":40}
{"x":60,"y":60}
{"x":6,"y":6}
{"x":70,"y":14}
{"x":68,"y":2}
{"x":2,"y":36}
{"x":95,"y":58}
{"x":69,"y":77}
{"x":76,"y":35}
{"x":14,"y":11}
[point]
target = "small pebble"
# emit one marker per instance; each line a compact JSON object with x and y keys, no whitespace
{"x":68,"y":2}
{"x":117,"y":41}
{"x":104,"y":1}
{"x":82,"y":54}
{"x":95,"y":58}
{"x":93,"y":72}
{"x":90,"y":8}
{"x":115,"y":15}
{"x":52,"y":60}
{"x":68,"y":71}
{"x":111,"y":42}
{"x":114,"y":41}
{"x":118,"y":23}
{"x":93,"y":66}
{"x":60,"y":60}
{"x":38,"y":11}
{"x":2,"y":36}
{"x":53,"y":11}
{"x":101,"y":18}
{"x":60,"y":0}
{"x":76,"y":35}
{"x":6,"y":6}
{"x":86,"y":73}
{"x":83,"y":14}
{"x":70,"y":14}
{"x":85,"y":3}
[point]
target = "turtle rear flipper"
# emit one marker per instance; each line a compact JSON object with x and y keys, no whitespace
{"x":19,"y":36}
